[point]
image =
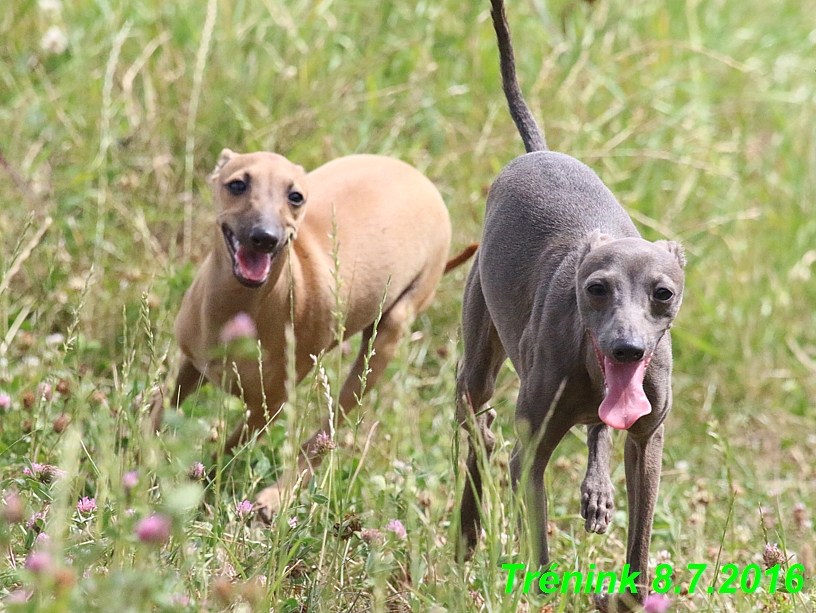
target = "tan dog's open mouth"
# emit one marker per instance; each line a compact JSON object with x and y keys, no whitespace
{"x":624,"y":399}
{"x":250,"y":266}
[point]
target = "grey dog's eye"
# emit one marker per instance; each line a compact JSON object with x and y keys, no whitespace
{"x":662,"y":294}
{"x":596,"y":289}
{"x":296,"y":198}
{"x":237,"y":187}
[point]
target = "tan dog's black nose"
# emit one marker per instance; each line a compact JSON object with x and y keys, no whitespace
{"x":263,"y":240}
{"x":628,"y":351}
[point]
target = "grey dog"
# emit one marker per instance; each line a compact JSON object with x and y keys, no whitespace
{"x":565,"y":287}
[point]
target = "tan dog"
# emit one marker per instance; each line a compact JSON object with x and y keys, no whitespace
{"x":275,"y":239}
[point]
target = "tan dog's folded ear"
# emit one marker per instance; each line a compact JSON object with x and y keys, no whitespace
{"x":676,"y":249}
{"x":226,"y":156}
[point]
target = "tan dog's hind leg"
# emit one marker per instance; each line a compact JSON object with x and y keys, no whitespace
{"x":389,"y":333}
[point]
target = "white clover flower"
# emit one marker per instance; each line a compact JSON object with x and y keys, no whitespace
{"x":54,"y":41}
{"x":30,"y":361}
{"x":50,"y":8}
{"x":52,"y":340}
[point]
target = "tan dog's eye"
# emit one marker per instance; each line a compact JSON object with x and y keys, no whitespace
{"x":296,"y":198}
{"x":237,"y":187}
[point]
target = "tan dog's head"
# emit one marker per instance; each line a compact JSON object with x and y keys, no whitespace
{"x":261,"y":198}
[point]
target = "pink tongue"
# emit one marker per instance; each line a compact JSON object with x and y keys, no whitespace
{"x":625,"y":400}
{"x":253,"y":265}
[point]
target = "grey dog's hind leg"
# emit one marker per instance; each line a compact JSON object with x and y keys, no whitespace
{"x":475,"y":383}
{"x":597,"y":492}
{"x":540,"y":427}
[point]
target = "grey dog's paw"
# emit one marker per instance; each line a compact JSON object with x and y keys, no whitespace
{"x":601,"y":602}
{"x":616,"y":603}
{"x":597,"y":504}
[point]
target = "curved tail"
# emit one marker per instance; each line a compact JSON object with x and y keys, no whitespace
{"x":461,"y":257}
{"x":519,"y":111}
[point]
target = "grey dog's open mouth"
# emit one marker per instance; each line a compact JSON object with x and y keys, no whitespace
{"x":250,"y":266}
{"x":624,"y":399}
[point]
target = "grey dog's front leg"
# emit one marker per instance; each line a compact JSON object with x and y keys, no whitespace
{"x":643,"y":459}
{"x":597,"y":492}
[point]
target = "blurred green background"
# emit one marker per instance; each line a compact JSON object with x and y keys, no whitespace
{"x":698,"y":114}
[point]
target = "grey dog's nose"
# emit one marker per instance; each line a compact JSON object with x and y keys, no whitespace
{"x":628,"y":351}
{"x":263,"y":240}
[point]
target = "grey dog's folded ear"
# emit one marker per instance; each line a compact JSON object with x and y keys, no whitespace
{"x":226,"y":156}
{"x":676,"y":249}
{"x":593,"y":240}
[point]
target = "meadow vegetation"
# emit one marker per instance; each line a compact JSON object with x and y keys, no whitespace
{"x":697,"y":113}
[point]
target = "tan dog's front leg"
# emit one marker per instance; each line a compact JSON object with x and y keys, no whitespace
{"x":188,"y":380}
{"x":389,"y":333}
{"x":262,"y":406}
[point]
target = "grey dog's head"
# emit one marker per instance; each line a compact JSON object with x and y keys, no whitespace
{"x":629,"y":291}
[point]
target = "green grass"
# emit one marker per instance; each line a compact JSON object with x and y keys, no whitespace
{"x":699,"y":116}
